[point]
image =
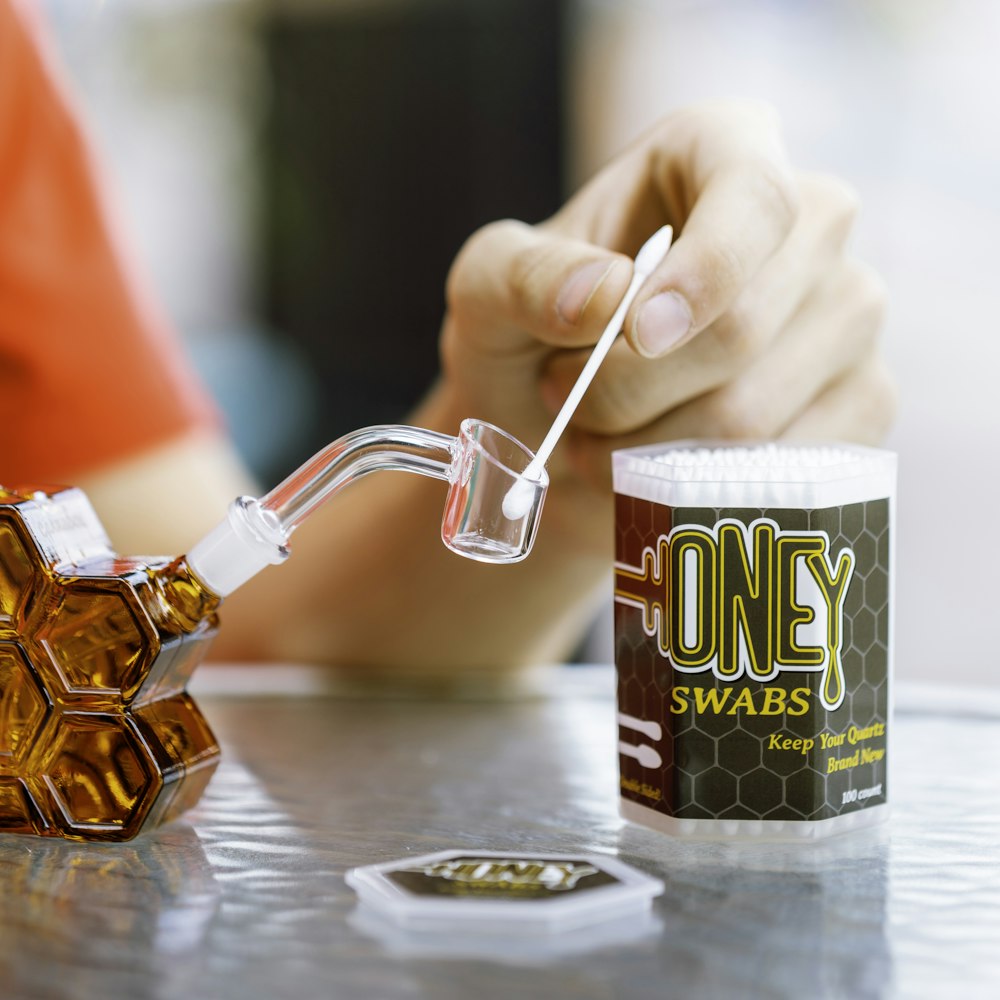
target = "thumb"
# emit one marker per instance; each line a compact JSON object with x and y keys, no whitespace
{"x":513,"y":285}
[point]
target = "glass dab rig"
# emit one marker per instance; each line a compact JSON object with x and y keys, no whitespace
{"x":99,"y":739}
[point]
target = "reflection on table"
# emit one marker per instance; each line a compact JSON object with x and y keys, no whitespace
{"x":246,"y":897}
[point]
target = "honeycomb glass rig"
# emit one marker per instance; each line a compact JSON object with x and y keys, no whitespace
{"x":99,"y":739}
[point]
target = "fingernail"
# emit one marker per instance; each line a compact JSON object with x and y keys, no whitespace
{"x":580,"y":288}
{"x":664,"y":321}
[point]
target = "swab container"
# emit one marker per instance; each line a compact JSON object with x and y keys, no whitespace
{"x":753,"y":617}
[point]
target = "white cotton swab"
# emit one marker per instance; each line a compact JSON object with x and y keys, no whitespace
{"x":519,"y":497}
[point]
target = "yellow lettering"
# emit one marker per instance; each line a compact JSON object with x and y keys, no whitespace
{"x":843,"y":763}
{"x":743,"y":700}
{"x":711,"y":699}
{"x":800,"y":698}
{"x":834,"y":589}
{"x":791,"y":614}
{"x":856,"y":735}
{"x":746,"y":600}
{"x":774,"y":701}
{"x":693,"y":573}
{"x":726,"y":600}
{"x":800,"y":744}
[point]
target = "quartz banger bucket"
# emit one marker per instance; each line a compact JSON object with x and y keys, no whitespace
{"x":99,"y":740}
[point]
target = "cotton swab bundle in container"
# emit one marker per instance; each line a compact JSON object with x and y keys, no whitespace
{"x":753,"y":613}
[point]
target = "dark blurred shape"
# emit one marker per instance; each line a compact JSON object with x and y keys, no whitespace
{"x":394,"y":133}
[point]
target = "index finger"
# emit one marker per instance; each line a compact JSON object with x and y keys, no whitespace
{"x":741,"y":204}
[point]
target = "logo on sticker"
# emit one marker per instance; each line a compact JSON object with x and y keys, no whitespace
{"x":501,"y":877}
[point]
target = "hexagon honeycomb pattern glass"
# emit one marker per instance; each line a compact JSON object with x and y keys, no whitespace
{"x":98,"y":738}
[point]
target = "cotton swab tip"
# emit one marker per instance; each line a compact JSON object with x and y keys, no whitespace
{"x":518,"y":499}
{"x":653,"y":251}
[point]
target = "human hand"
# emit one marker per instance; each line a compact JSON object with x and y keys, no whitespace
{"x":758,"y":324}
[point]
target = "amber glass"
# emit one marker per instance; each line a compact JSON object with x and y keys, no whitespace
{"x":98,"y":739}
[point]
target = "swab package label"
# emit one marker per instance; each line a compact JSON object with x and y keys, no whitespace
{"x":753,"y":642}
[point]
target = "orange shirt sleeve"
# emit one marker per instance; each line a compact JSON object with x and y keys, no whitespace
{"x":90,"y":372}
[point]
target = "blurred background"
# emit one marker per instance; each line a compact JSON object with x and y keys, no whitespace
{"x":296,"y":177}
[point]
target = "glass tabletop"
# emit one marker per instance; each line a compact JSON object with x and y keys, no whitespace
{"x":246,"y":896}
